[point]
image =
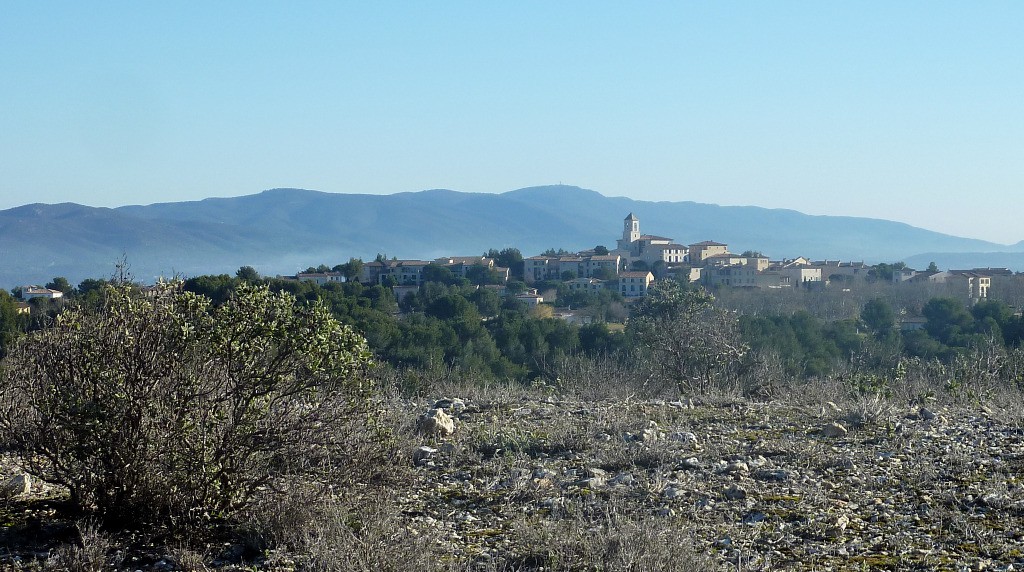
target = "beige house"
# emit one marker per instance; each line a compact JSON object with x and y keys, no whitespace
{"x":701,"y":251}
{"x":537,"y":268}
{"x":758,"y":263}
{"x":800,"y":273}
{"x":531,"y":300}
{"x":733,"y":275}
{"x":634,"y":284}
{"x":835,"y":269}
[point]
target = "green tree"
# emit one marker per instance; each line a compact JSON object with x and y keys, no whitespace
{"x":12,"y":323}
{"x":601,"y":250}
{"x":247,"y":274}
{"x":165,"y":409}
{"x":879,"y":317}
{"x":947,"y":319}
{"x":693,"y":343}
{"x":351,"y":269}
{"x":605,"y":273}
{"x":883,"y":272}
{"x":60,"y":283}
{"x":509,"y":258}
{"x":439,"y":274}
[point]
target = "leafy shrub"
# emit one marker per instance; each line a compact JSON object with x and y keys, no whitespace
{"x":164,"y":408}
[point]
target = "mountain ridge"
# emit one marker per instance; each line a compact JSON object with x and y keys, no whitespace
{"x":282,"y":230}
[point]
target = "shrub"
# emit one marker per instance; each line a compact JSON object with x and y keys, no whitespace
{"x":164,"y":408}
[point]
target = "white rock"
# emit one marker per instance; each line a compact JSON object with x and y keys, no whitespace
{"x":436,"y":422}
{"x":684,"y":437}
{"x":18,"y":485}
{"x":735,"y":493}
{"x":834,"y":430}
{"x":737,"y":467}
{"x":623,"y":479}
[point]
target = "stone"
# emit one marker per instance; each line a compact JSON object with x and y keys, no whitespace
{"x":737,"y":467}
{"x":589,"y":483}
{"x":755,"y":517}
{"x":454,"y":404}
{"x":735,"y":493}
{"x":684,"y":437}
{"x":834,"y":430}
{"x":436,"y":422}
{"x":651,"y":433}
{"x":422,"y":456}
{"x":776,"y":475}
{"x":691,"y":464}
{"x":623,"y":479}
{"x":837,"y":526}
{"x":18,"y":485}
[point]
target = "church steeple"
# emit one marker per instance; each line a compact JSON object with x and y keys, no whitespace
{"x":631,"y":228}
{"x":630,"y":232}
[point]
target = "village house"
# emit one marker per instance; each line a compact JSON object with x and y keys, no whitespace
{"x":976,"y":282}
{"x":30,"y":292}
{"x":532,"y":300}
{"x":800,"y":273}
{"x":635,"y":284}
{"x":320,"y":278}
{"x":701,"y":251}
{"x":537,"y":268}
{"x":837,"y":270}
{"x":587,"y":284}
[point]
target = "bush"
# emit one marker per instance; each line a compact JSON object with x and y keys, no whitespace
{"x":162,"y":408}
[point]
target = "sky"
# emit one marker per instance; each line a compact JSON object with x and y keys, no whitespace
{"x":910,"y":111}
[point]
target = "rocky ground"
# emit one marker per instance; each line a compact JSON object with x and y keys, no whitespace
{"x":527,"y":482}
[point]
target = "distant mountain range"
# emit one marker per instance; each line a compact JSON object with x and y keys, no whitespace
{"x":281,"y":231}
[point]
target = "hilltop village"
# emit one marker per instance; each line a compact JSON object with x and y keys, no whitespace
{"x":635,"y":263}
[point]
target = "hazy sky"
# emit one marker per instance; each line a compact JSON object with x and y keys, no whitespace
{"x":910,"y":111}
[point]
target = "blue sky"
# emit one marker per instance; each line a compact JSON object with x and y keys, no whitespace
{"x":909,"y":111}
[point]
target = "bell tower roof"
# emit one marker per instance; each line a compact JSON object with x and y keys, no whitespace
{"x":631,"y":217}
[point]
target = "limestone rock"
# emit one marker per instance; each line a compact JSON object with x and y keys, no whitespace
{"x":18,"y":485}
{"x":834,"y":430}
{"x":436,"y":422}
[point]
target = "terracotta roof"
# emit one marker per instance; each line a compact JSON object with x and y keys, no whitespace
{"x":634,"y":274}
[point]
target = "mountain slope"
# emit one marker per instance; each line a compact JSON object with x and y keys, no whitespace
{"x":283,"y":230}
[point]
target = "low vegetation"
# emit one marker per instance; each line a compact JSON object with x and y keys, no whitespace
{"x":244,"y":423}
